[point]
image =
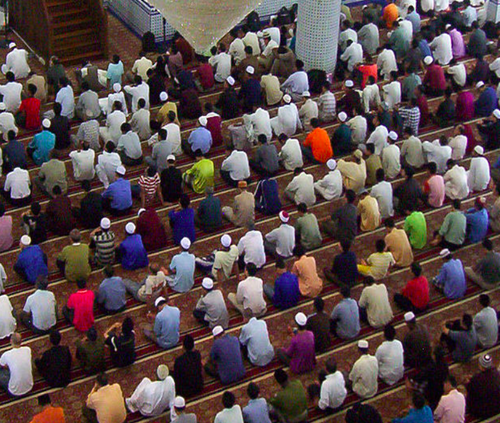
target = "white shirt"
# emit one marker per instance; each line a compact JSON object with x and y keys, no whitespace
{"x":379,"y":138}
{"x":308,"y":111}
{"x":375,"y":299}
{"x":441,"y":47}
{"x":455,"y":183}
{"x":291,"y":154}
{"x":120,"y":97}
{"x":382,"y":192}
{"x":392,"y":93}
{"x":352,"y":55}
{"x":391,"y":161}
{"x":370,"y":97}
{"x":83,"y":164}
{"x":141,"y":123}
{"x":138,"y":92}
{"x":302,"y":189}
{"x":66,"y":98}
{"x":152,"y":398}
{"x":459,"y":73}
{"x":108,"y":162}
{"x":18,"y":183}
{"x":17,"y":63}
{"x":7,"y":123}
{"x":237,"y":50}
{"x":11,"y":92}
{"x":42,"y":306}
{"x":344,"y":36}
{"x":478,"y":176}
{"x":495,"y":67}
{"x":18,"y":360}
{"x":252,"y":246}
{"x":437,"y":153}
{"x":427,"y":5}
{"x":250,"y":293}
{"x":359,"y":126}
{"x":7,"y":320}
{"x":386,"y":63}
{"x":364,"y":375}
{"x":259,"y":123}
{"x":114,"y":123}
{"x":229,"y":415}
{"x":369,"y":38}
{"x":288,"y":121}
{"x":333,"y":391}
{"x":441,"y":5}
{"x":330,"y":186}
{"x":3,"y":279}
{"x":274,"y":33}
{"x":458,"y":146}
{"x":237,"y":165}
{"x":407,"y":27}
{"x":283,"y":238}
{"x":390,"y":361}
{"x":222,"y":66}
{"x":297,"y":83}
{"x":174,"y":137}
{"x":412,"y":152}
{"x":271,"y":45}
{"x":141,"y":67}
{"x":251,"y":39}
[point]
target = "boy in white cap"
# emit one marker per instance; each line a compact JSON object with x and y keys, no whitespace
{"x":221,"y":263}
{"x":182,"y":266}
{"x":478,"y":175}
{"x":131,"y":252}
{"x":308,"y":111}
{"x":199,"y":139}
{"x":16,"y":62}
{"x":178,"y":414}
{"x":391,"y":157}
{"x":102,"y":239}
{"x":211,"y":309}
{"x":280,"y":242}
{"x":364,"y":373}
{"x":287,"y":120}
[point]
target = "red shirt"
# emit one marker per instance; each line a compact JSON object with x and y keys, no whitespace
{"x":434,"y":77}
{"x":206,"y":74}
{"x":82,"y":302}
{"x":152,"y":231}
{"x":31,"y":108}
{"x":471,"y":139}
{"x":417,"y":291}
{"x":424,"y":110}
{"x":368,"y":70}
{"x":214,"y":125}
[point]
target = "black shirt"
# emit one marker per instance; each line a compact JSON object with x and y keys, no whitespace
{"x":409,"y":193}
{"x":228,"y":104}
{"x":347,"y":222}
{"x":188,"y":374}
{"x":55,"y":366}
{"x":363,"y":413}
{"x":319,"y":325}
{"x":483,"y":394}
{"x":14,"y":156}
{"x":37,"y":227}
{"x":156,"y":87}
{"x":122,"y":349}
{"x":91,"y":210}
{"x":171,"y":184}
{"x":59,"y":126}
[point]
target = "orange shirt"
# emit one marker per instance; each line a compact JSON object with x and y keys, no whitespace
{"x":310,"y":284}
{"x":368,"y":70}
{"x":390,"y":14}
{"x":320,"y":144}
{"x":50,"y":415}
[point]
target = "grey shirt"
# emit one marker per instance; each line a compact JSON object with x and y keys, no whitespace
{"x":161,"y":151}
{"x":267,"y":157}
{"x":346,"y":315}
{"x":131,"y":145}
{"x":489,"y":267}
{"x":212,"y":303}
{"x":486,"y":325}
{"x":89,"y":100}
{"x":465,"y":344}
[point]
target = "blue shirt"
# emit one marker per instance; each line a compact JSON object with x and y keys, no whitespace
{"x":200,"y":139}
{"x":42,"y":144}
{"x":257,"y":411}
{"x":115,"y":72}
{"x":486,"y":103}
{"x":184,"y":265}
{"x":120,"y":194}
{"x":255,"y":336}
{"x":112,"y":293}
{"x":167,"y":323}
{"x":414,"y":18}
{"x":251,"y":92}
{"x":286,"y":291}
{"x":32,"y":263}
{"x":346,"y":314}
{"x":226,"y":354}
{"x":477,"y":224}
{"x":132,"y":252}
{"x":267,"y":197}
{"x":182,"y":223}
{"x":424,"y":415}
{"x":452,"y":278}
{"x":423,"y":45}
{"x":345,"y":268}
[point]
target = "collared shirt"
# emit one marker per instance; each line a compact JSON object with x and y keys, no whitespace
{"x":386,"y":62}
{"x":83,"y":164}
{"x":114,"y":122}
{"x":130,"y":144}
{"x":224,"y":261}
{"x":308,"y":111}
{"x":379,"y":264}
{"x":166,"y":328}
{"x":412,"y":151}
{"x":257,"y":411}
{"x":364,"y":375}
{"x":346,"y":315}
{"x":375,"y":299}
{"x":486,"y":103}
{"x":301,"y":352}
{"x":184,"y":266}
{"x":16,"y":62}
{"x":141,"y":67}
{"x":411,"y":118}
{"x":486,"y":326}
{"x":114,"y":73}
{"x":66,"y":99}
{"x":416,"y":228}
{"x":243,"y":209}
{"x":237,"y":165}
{"x":283,"y":238}
{"x":266,"y":157}
{"x":477,"y":224}
{"x":42,"y":307}
{"x":478,"y":176}
{"x":18,"y":183}
{"x":333,"y":391}
{"x":18,"y":361}
{"x":379,"y":138}
{"x":108,"y":404}
{"x":452,"y":278}
{"x":140,"y":123}
{"x":451,"y":408}
{"x":453,"y":227}
{"x":417,"y":291}
{"x":390,"y":360}
{"x":302,"y":189}
{"x":104,"y":242}
{"x":359,"y":126}
{"x":226,"y":354}
{"x":214,"y":306}
{"x":457,"y":43}
{"x":255,"y":336}
{"x":112,"y":293}
{"x":434,"y":188}
{"x":250,"y":293}
{"x":120,"y":194}
{"x":138,"y":92}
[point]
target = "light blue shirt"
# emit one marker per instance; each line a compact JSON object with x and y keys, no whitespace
{"x":347,"y":315}
{"x":414,"y":18}
{"x":452,"y":278}
{"x":257,"y":411}
{"x":255,"y":336}
{"x":167,"y":323}
{"x":115,"y":72}
{"x":200,"y":139}
{"x":42,"y":306}
{"x":183,"y":264}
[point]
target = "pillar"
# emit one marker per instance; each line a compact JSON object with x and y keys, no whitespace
{"x":493,"y":11}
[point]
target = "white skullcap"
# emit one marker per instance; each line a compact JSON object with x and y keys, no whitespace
{"x":332,"y":164}
{"x":217,"y":330}
{"x":12,"y":45}
{"x":393,"y":136}
{"x":179,"y":402}
{"x":163,"y":96}
{"x":130,"y":228}
{"x":342,"y":116}
{"x":25,"y":240}
{"x":287,"y":99}
{"x":203,"y":120}
{"x":409,"y":316}
{"x":250,"y":70}
{"x":300,"y":319}
{"x":230,"y":80}
{"x":170,"y":158}
{"x":428,"y":60}
{"x":121,"y":170}
{"x":358,"y":154}
{"x":207,"y":283}
{"x":46,"y":123}
{"x":140,"y":211}
{"x":306,"y":94}
{"x":448,"y":26}
{"x":363,"y":344}
{"x":225,"y":240}
{"x":117,"y":87}
{"x":185,"y":243}
{"x":485,"y":361}
{"x":89,"y":113}
{"x":105,"y":223}
{"x":479,"y":150}
{"x":496,"y":113}
{"x":162,"y":371}
{"x":284,"y":216}
{"x":480,"y":84}
{"x":260,"y":34}
{"x":3,"y":107}
{"x":159,"y":300}
{"x":444,"y":253}
{"x":349,"y":83}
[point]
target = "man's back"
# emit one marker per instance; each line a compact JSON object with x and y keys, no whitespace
{"x":188,"y":374}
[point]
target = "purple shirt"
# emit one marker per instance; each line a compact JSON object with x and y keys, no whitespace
{"x":434,"y":77}
{"x":464,"y":108}
{"x":301,"y":351}
{"x":5,"y":232}
{"x":457,"y":44}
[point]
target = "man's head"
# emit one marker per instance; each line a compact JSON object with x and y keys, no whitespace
{"x":44,"y":400}
{"x":416,"y":269}
{"x":81,"y":283}
{"x":253,"y":391}
{"x":379,"y":174}
{"x":389,"y":332}
{"x":487,"y":244}
{"x":75,"y":236}
{"x":102,"y":379}
{"x":457,"y":204}
{"x":251,"y":269}
{"x":350,"y":196}
{"x":42,"y":282}
{"x":281,"y":377}
{"x":345,"y":291}
{"x":16,"y":339}
{"x":55,"y":337}
{"x":319,"y":304}
{"x":280,"y":266}
{"x":228,"y":399}
{"x":390,"y":224}
{"x":418,"y":400}
{"x":380,"y":245}
{"x":363,"y":346}
{"x":302,"y":208}
{"x":92,"y":334}
{"x":484,"y":300}
{"x":188,"y":343}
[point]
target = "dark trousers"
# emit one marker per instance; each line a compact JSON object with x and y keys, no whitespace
{"x":16,"y":202}
{"x":106,"y":204}
{"x":27,"y":321}
{"x":256,"y":167}
{"x":225,"y":175}
{"x":69,"y":314}
{"x":307,"y":153}
{"x":200,"y":316}
{"x":186,"y":147}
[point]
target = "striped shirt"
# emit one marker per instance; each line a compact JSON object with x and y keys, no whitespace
{"x":149,"y":184}
{"x":379,"y":264}
{"x":104,"y":243}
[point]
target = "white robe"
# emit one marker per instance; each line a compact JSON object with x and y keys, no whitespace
{"x":152,"y":398}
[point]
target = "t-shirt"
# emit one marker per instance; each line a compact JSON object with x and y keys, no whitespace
{"x":108,"y":404}
{"x":82,"y":302}
{"x":76,"y":260}
{"x":376,"y":301}
{"x":291,"y":401}
{"x":42,"y":306}
{"x":416,"y":229}
{"x":49,"y":415}
{"x":18,"y":360}
{"x":465,"y":344}
{"x":379,"y":264}
{"x":224,"y":260}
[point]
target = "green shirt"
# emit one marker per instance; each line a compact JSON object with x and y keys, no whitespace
{"x":76,"y":261}
{"x":416,"y":229}
{"x":91,"y":355}
{"x":453,"y":227}
{"x":290,"y":401}
{"x":202,"y":174}
{"x":308,"y":229}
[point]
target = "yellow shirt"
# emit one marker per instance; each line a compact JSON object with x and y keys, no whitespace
{"x":398,"y":244}
{"x":162,"y":115}
{"x":109,"y":404}
{"x":353,"y":174}
{"x":202,"y":173}
{"x":370,"y":213}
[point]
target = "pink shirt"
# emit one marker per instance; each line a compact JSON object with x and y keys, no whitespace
{"x":451,"y":408}
{"x":457,"y":44}
{"x":5,"y":233}
{"x":434,"y":186}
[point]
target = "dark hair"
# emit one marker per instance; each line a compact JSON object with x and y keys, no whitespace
{"x":416,"y":269}
{"x":55,"y":337}
{"x":345,"y":291}
{"x":57,"y":108}
{"x":81,"y":283}
{"x":467,"y":319}
{"x":452,"y":380}
{"x":251,"y":269}
{"x":380,"y":245}
{"x":389,"y":222}
{"x":102,"y":379}
{"x":346,"y":245}
{"x":389,"y":332}
{"x":44,"y":400}
{"x":457,"y":204}
{"x":188,"y":343}
{"x":432,"y":167}
{"x":299,"y":250}
{"x":126,"y":127}
{"x":280,"y":263}
{"x":331,"y":365}
{"x":350,"y":195}
{"x":487,"y":244}
{"x":302,"y":207}
{"x":262,"y":138}
{"x":484,"y":300}
{"x":281,"y":376}
{"x":127,"y":325}
{"x":2,"y":209}
{"x":418,"y":400}
{"x":185,"y":201}
{"x":141,"y":103}
{"x":319,"y":304}
{"x":253,"y":390}
{"x":314,"y":122}
{"x":92,"y":334}
{"x":379,"y":174}
{"x":35,"y":208}
{"x":371,"y":148}
{"x":228,"y":399}
{"x":108,"y":271}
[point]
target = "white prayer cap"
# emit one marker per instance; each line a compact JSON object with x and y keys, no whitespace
{"x":342,"y":116}
{"x":217,"y":330}
{"x":480,"y":84}
{"x":479,"y":150}
{"x":160,"y":300}
{"x":203,"y":120}
{"x":448,"y":26}
{"x":179,"y":402}
{"x":496,"y":113}
{"x":3,"y":107}
{"x":349,"y":83}
{"x":444,"y":253}
{"x":46,"y":123}
{"x":428,"y":60}
{"x":306,"y":94}
{"x":393,"y":136}
{"x":485,"y":361}
{"x":226,"y":240}
{"x":140,"y":211}
{"x":25,"y":240}
{"x":130,"y":228}
{"x":409,"y":316}
{"x":250,"y":70}
{"x":163,"y":96}
{"x":363,"y":344}
{"x":117,"y":87}
{"x":284,"y":216}
{"x":358,"y":154}
{"x":162,"y":371}
{"x":121,"y":170}
{"x":185,"y":243}
{"x":12,"y":45}
{"x":230,"y":80}
{"x":301,"y":319}
{"x":105,"y":223}
{"x":332,"y":164}
{"x":207,"y":283}
{"x":171,"y":158}
{"x":260,"y":34}
{"x":287,"y":99}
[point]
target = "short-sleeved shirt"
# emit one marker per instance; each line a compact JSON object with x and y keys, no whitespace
{"x":346,"y":314}
{"x":82,"y":302}
{"x":453,"y":227}
{"x":112,"y":293}
{"x":227,"y":356}
{"x":18,"y":360}
{"x":184,"y":265}
{"x":42,"y":306}
{"x":76,"y":261}
{"x":379,"y":264}
{"x":416,"y":229}
{"x":465,"y":344}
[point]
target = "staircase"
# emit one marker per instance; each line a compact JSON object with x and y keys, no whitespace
{"x":73,"y":30}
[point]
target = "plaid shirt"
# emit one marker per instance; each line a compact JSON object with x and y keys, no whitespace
{"x":411,"y":118}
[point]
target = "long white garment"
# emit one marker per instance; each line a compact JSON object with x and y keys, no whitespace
{"x":359,"y":126}
{"x":379,"y":138}
{"x":442,"y":50}
{"x":458,"y":145}
{"x":437,"y":153}
{"x":390,"y":361}
{"x":455,"y":183}
{"x":478,"y":176}
{"x":7,"y":320}
{"x":106,"y":167}
{"x":17,"y":63}
{"x":287,"y":122}
{"x":330,"y":186}
{"x":152,"y":398}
